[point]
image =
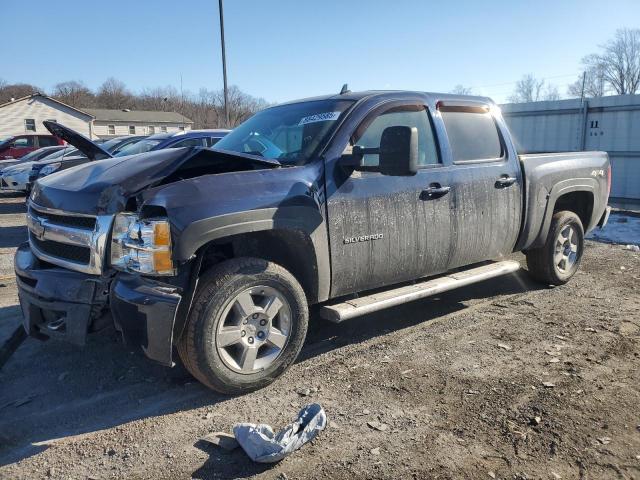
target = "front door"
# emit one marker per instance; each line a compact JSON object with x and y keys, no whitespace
{"x":385,"y":229}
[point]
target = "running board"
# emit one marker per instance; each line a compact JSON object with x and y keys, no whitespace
{"x":390,"y":298}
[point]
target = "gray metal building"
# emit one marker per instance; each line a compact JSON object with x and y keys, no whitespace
{"x":611,"y":124}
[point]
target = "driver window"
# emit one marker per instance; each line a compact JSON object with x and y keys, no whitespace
{"x":369,"y":134}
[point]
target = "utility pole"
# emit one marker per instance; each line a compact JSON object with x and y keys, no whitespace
{"x":224,"y":66}
{"x":584,"y":78}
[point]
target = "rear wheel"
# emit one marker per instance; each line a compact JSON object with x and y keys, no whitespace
{"x":559,"y":258}
{"x":246,"y":327}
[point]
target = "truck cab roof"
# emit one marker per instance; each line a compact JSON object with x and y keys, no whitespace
{"x":389,"y":94}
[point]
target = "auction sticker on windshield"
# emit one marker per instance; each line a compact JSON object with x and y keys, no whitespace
{"x":320,"y":117}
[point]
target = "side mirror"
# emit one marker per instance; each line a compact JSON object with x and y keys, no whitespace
{"x":399,"y":151}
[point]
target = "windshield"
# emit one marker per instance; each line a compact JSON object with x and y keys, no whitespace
{"x":109,"y":144}
{"x":138,"y":147}
{"x":67,"y":151}
{"x":289,"y":133}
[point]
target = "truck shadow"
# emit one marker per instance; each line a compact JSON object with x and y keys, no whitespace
{"x":53,"y":390}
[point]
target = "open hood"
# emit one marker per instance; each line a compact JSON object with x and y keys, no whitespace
{"x":104,"y":187}
{"x":92,"y":150}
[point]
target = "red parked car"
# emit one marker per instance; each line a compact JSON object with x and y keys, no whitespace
{"x":17,"y":146}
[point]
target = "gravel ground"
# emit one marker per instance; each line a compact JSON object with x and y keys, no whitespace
{"x":505,"y":379}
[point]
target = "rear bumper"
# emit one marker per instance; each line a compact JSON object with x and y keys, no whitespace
{"x":605,"y":217}
{"x":67,"y":305}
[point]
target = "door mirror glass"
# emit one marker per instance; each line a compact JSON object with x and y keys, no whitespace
{"x":398,"y":151}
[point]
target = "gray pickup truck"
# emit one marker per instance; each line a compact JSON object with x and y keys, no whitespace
{"x":356,"y":202}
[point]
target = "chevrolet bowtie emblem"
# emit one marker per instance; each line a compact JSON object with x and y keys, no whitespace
{"x":37,"y":228}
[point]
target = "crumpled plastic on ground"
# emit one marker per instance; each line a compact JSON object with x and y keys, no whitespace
{"x":262,"y":445}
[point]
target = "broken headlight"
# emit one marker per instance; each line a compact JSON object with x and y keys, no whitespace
{"x":142,"y":246}
{"x":49,"y":169}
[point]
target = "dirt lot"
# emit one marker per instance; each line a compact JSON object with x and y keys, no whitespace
{"x":507,"y":379}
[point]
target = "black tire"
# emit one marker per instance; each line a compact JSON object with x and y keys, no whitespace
{"x":216,"y":289}
{"x":541,"y":261}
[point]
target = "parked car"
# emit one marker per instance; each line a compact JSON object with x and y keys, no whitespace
{"x":87,"y":150}
{"x":20,"y":177}
{"x":353,"y":202}
{"x":17,"y":146}
{"x":34,"y":156}
{"x":160,"y":141}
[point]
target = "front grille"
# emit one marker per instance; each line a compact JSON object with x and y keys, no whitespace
{"x":88,"y":223}
{"x":71,"y":253}
{"x":67,"y":239}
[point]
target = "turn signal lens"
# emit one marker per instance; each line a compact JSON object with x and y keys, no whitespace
{"x":162,"y":236}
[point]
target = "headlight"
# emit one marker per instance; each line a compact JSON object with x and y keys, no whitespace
{"x":49,"y":169}
{"x":142,"y":246}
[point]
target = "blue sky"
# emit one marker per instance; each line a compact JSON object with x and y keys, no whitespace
{"x":282,"y":50}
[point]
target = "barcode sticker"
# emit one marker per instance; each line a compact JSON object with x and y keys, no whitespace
{"x":320,"y":117}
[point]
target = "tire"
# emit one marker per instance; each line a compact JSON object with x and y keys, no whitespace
{"x":221,"y":306}
{"x":559,"y":258}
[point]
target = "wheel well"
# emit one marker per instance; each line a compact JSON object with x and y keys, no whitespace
{"x":291,"y":249}
{"x":580,"y":203}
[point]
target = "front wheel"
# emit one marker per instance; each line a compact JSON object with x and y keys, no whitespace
{"x":559,"y":258}
{"x":246,"y":326}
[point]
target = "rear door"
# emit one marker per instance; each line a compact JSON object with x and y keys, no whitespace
{"x":486,"y":183}
{"x":384,"y":229}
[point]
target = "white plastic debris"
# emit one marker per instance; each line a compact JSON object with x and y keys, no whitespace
{"x":262,"y":445}
{"x":633,"y":248}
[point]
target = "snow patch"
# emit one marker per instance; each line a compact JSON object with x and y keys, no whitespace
{"x":621,"y":228}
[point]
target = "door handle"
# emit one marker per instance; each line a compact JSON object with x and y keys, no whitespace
{"x":435,"y":190}
{"x":505,"y":181}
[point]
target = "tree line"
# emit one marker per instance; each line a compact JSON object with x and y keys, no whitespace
{"x":613,"y":70}
{"x":205,"y":108}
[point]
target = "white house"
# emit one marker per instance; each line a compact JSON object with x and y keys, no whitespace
{"x":26,"y":114}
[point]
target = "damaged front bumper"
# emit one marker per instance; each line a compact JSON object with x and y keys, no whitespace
{"x":67,"y":305}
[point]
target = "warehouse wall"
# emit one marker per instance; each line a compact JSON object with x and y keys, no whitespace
{"x":611,"y":124}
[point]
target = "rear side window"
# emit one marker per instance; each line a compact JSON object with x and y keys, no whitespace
{"x":47,"y":141}
{"x":473,"y":134}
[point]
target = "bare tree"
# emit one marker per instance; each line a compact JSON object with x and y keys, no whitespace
{"x":530,"y":89}
{"x":595,"y":83}
{"x":16,"y":90}
{"x":461,"y":90}
{"x":620,"y":61}
{"x":114,"y":94}
{"x":551,"y":93}
{"x":206,"y":108}
{"x":74,"y":93}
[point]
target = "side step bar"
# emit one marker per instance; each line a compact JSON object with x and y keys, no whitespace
{"x":340,"y":312}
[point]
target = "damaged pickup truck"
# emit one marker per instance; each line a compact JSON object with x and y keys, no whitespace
{"x":356,"y":202}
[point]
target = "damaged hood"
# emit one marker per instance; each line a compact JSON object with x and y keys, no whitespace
{"x":104,"y":187}
{"x":92,"y":150}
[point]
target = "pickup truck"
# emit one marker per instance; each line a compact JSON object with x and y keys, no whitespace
{"x":355,"y":202}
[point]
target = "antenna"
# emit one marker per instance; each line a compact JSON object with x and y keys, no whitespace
{"x":345,"y":89}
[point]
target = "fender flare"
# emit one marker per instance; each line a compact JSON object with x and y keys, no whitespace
{"x":561,"y":188}
{"x":300,"y":218}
